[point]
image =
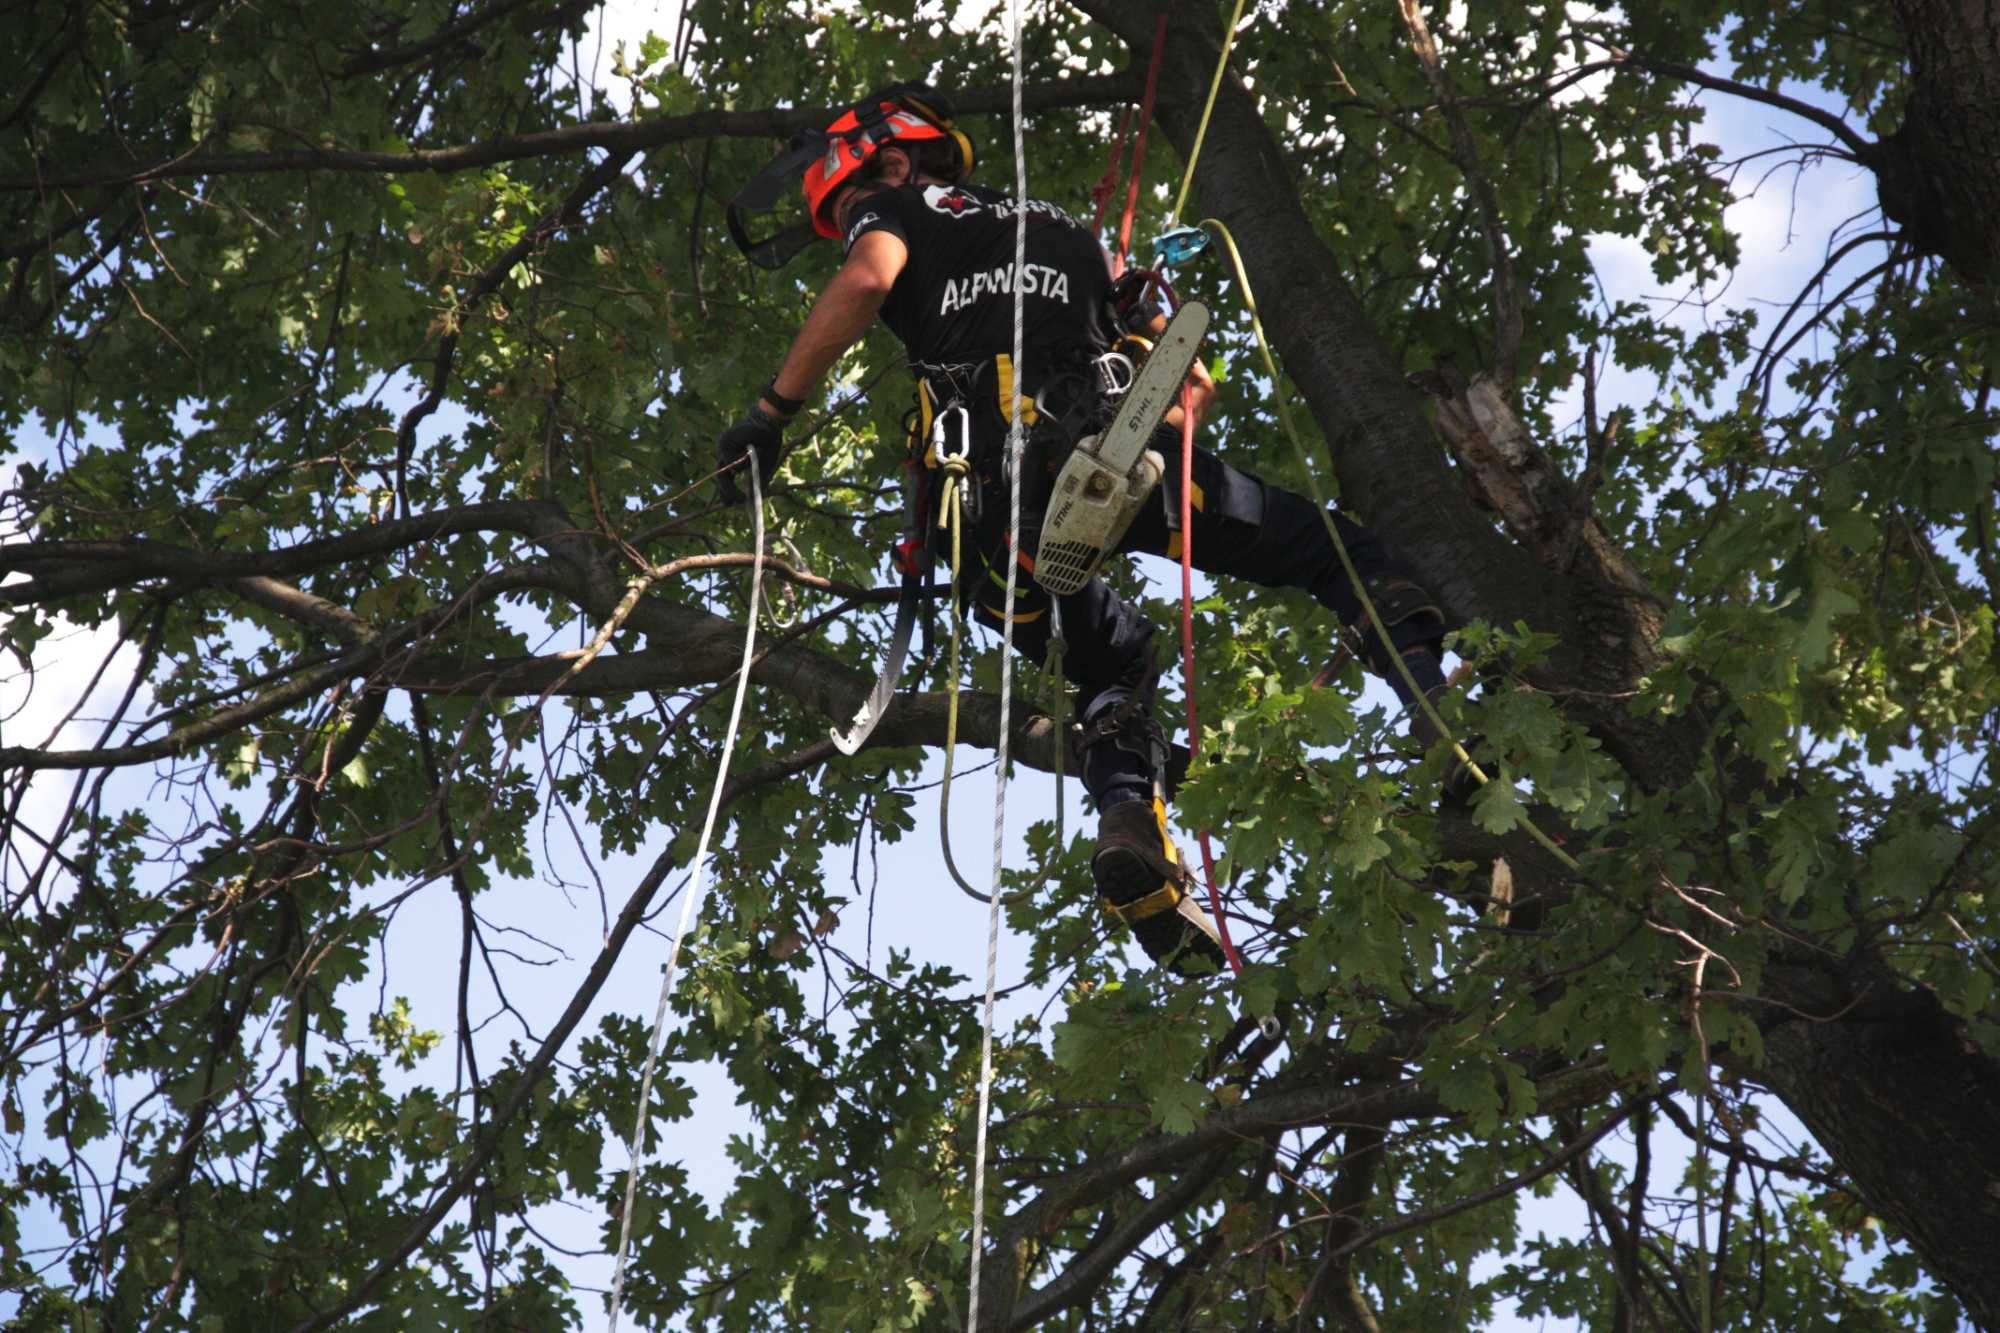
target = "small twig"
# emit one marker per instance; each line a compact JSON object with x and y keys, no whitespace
{"x":1506,"y":302}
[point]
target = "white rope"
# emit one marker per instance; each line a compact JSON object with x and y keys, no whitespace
{"x":637,"y":1146}
{"x":1006,"y":676}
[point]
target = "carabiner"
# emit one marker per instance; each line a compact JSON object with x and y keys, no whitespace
{"x":955,"y":463}
{"x":941,"y":438}
{"x":1115,"y":373}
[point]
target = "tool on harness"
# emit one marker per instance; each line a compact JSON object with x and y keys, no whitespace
{"x":819,"y":162}
{"x":956,"y":465}
{"x":954,"y":456}
{"x":1108,"y":477}
{"x":913,"y":555}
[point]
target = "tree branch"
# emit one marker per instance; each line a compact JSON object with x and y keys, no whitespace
{"x":1833,"y":124}
{"x":621,"y":138}
{"x":630,"y":916}
{"x":1078,"y":1282}
{"x":1506,"y":304}
{"x":1424,"y":1217}
{"x":74,"y":568}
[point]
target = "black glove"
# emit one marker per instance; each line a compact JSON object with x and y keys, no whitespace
{"x":759,"y":432}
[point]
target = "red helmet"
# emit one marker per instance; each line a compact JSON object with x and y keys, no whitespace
{"x":906,"y":114}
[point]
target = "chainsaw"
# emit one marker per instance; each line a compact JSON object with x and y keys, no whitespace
{"x":1108,"y":476}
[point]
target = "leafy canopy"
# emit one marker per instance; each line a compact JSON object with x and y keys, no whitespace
{"x":353,"y":365}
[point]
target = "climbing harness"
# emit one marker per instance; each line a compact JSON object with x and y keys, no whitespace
{"x":1014,"y":446}
{"x":695,"y":888}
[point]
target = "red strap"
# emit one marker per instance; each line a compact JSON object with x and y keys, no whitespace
{"x":1187,"y":660}
{"x":1107,"y":184}
{"x":1139,"y":146}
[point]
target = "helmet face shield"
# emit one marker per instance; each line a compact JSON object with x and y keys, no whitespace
{"x":765,"y":193}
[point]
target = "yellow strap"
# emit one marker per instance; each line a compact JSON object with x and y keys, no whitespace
{"x":1020,"y":617}
{"x":1163,"y":899}
{"x":1167,"y":848}
{"x":926,"y":414}
{"x":1423,"y":703}
{"x":1003,"y":368}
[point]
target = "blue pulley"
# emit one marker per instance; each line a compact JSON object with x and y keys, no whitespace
{"x":1177,"y":245}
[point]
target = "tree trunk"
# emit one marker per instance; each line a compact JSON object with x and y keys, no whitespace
{"x":1906,"y":1104}
{"x":1939,"y":173}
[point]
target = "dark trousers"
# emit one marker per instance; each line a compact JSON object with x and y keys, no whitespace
{"x":1243,"y":527}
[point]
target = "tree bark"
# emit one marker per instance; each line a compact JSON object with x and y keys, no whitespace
{"x":1907,"y":1105}
{"x":1939,"y":173}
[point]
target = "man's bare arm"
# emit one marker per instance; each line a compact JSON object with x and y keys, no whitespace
{"x":843,"y":312}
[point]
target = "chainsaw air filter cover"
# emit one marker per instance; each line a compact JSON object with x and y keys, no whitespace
{"x":1089,"y":513}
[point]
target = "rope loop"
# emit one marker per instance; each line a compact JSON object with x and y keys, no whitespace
{"x":697,"y":883}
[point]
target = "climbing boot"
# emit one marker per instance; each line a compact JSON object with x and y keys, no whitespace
{"x":1141,"y":882}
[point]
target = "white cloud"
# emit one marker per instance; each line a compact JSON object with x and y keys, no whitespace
{"x":616,"y":22}
{"x":34,"y":706}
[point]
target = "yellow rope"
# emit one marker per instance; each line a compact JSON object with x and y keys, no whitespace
{"x":1201,"y":132}
{"x":1423,"y":702}
{"x":957,"y":472}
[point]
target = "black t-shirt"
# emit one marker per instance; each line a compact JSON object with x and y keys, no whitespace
{"x":953,"y":302}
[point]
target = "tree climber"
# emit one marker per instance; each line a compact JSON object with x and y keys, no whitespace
{"x":933,"y":257}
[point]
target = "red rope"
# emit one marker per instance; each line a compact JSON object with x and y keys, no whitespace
{"x":1139,"y":145}
{"x":1107,"y":184}
{"x":1187,"y":660}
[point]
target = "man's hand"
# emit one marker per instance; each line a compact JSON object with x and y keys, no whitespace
{"x":760,"y":433}
{"x":839,"y":317}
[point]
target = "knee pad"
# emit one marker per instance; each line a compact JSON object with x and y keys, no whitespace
{"x":1123,"y":740}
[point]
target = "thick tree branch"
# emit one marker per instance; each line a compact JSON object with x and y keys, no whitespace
{"x":1553,"y":1162}
{"x":75,"y":568}
{"x":1353,"y":1187}
{"x":1826,"y":120}
{"x":370,"y":653}
{"x":390,"y":57}
{"x":1078,"y":1283}
{"x":1390,"y":467}
{"x":619,"y":138}
{"x":1321,"y":1103}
